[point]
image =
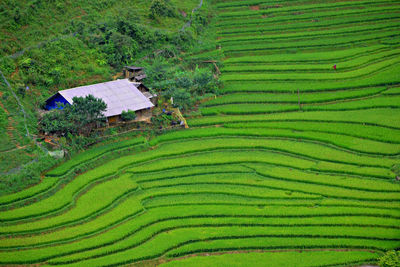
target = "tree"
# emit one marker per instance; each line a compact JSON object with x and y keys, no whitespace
{"x":182,"y":98}
{"x":204,"y":81}
{"x":159,"y":73}
{"x":87,"y":112}
{"x":120,"y":49}
{"x":81,"y":117}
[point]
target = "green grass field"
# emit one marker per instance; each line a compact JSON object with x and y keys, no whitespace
{"x":260,"y":179}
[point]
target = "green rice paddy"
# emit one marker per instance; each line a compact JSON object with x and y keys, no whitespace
{"x":295,"y":164}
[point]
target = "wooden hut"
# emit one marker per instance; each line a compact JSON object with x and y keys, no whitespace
{"x":119,"y":95}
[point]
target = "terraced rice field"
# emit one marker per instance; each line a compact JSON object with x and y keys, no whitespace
{"x":258,"y":178}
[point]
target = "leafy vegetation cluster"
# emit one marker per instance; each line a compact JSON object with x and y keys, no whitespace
{"x":162,"y":8}
{"x":81,"y":43}
{"x":390,"y":259}
{"x":22,"y":26}
{"x":128,"y":115}
{"x":184,"y":85}
{"x":85,"y":114}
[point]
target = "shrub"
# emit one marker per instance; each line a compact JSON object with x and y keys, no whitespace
{"x":183,"y":39}
{"x":182,"y":98}
{"x":129,"y":115}
{"x":120,"y":49}
{"x":204,"y":81}
{"x":158,"y":72}
{"x":390,"y":259}
{"x":183,"y":80}
{"x":162,"y":8}
{"x":21,"y":90}
{"x":7,"y":65}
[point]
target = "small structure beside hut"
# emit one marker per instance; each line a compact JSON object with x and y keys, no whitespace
{"x":136,"y":75}
{"x":119,"y":95}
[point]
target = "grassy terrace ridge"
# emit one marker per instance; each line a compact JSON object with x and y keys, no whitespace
{"x":289,"y":5}
{"x":274,"y":259}
{"x":337,"y":5}
{"x":298,"y":66}
{"x":258,"y":177}
{"x":92,"y":154}
{"x":333,"y":22}
{"x":315,"y":33}
{"x":329,"y":15}
{"x":306,"y":98}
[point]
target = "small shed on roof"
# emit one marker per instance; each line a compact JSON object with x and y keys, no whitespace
{"x":131,"y":72}
{"x":140,"y":78}
{"x":119,"y":95}
{"x":133,"y":68}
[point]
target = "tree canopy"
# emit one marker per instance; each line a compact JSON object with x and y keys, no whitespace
{"x":81,"y":117}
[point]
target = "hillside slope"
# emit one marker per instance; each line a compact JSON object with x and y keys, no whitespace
{"x":46,"y":46}
{"x":295,"y":156}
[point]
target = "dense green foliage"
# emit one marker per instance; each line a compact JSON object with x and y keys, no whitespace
{"x":81,"y":117}
{"x":162,"y":8}
{"x":295,"y":164}
{"x":390,"y":259}
{"x":46,"y":46}
{"x":128,"y":115}
{"x":185,"y":86}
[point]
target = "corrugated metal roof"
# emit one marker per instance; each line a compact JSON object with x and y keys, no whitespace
{"x":149,"y":95}
{"x":119,"y":95}
{"x":140,"y":77}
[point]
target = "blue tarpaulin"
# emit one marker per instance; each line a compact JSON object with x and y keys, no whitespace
{"x":54,"y":101}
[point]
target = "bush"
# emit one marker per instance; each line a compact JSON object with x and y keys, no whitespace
{"x":21,"y":90}
{"x":186,"y":86}
{"x":390,"y":259}
{"x":128,"y":115}
{"x":200,"y":21}
{"x":204,"y":81}
{"x":158,"y":72}
{"x":182,"y":98}
{"x":161,"y":120}
{"x":183,"y":39}
{"x":162,"y":8}
{"x":183,"y":79}
{"x":120,"y":49}
{"x":7,"y":66}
